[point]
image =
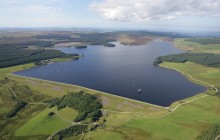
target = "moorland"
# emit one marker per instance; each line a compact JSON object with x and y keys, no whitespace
{"x":38,"y":109}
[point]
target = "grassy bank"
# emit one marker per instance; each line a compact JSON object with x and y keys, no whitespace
{"x":203,"y":73}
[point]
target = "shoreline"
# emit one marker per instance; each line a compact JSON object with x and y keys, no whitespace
{"x":85,"y":88}
{"x":173,"y":106}
{"x":109,"y":94}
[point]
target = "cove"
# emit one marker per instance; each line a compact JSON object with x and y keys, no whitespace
{"x":122,"y":70}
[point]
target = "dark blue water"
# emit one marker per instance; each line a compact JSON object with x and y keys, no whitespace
{"x":122,"y":70}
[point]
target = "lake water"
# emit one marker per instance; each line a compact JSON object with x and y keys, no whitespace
{"x":122,"y":70}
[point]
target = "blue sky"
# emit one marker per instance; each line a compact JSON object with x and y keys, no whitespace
{"x":186,"y":15}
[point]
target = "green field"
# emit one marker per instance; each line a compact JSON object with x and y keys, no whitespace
{"x":68,"y":113}
{"x":208,"y":74}
{"x":185,"y":123}
{"x":103,"y":135}
{"x":192,"y":45}
{"x":204,"y":41}
{"x":42,"y":124}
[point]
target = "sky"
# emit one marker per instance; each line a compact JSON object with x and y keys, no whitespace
{"x":185,"y":15}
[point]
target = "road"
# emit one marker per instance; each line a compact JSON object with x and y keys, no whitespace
{"x":172,"y":110}
{"x":217,"y":137}
{"x":31,"y":103}
{"x":183,"y":73}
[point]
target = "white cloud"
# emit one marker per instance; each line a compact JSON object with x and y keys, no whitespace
{"x":29,"y":7}
{"x":31,"y":13}
{"x":41,"y":9}
{"x":141,"y":10}
{"x":32,"y":10}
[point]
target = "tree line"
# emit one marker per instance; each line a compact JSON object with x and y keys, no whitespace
{"x":204,"y":41}
{"x":18,"y":107}
{"x":32,"y":57}
{"x":206,"y":59}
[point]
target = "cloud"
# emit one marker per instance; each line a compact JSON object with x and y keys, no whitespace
{"x":31,"y":13}
{"x":41,"y":9}
{"x":143,"y":10}
{"x":29,"y":7}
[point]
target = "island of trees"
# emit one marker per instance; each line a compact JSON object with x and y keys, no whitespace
{"x":109,"y":44}
{"x":81,"y":47}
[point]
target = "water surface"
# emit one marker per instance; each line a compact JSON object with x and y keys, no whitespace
{"x":122,"y":70}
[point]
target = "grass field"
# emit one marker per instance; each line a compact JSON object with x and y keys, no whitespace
{"x":187,"y":122}
{"x":208,"y":74}
{"x":103,"y":135}
{"x":68,"y":113}
{"x":196,"y":47}
{"x":42,"y":124}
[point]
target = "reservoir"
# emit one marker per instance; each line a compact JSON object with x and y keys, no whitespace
{"x":122,"y":70}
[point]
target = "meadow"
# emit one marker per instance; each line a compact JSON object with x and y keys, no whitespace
{"x":198,"y":46}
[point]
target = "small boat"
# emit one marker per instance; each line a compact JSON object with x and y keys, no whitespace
{"x":139,"y":90}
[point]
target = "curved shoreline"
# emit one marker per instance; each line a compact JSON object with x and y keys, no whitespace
{"x":160,"y":117}
{"x":188,"y":76}
{"x":183,"y":73}
{"x":89,"y":89}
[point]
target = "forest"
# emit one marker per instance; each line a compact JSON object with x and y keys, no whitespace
{"x":206,"y":59}
{"x":86,"y":104}
{"x":21,"y":50}
{"x":72,"y":131}
{"x":88,"y":38}
{"x":109,"y":45}
{"x":204,"y":41}
{"x":211,"y":133}
{"x":21,"y":57}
